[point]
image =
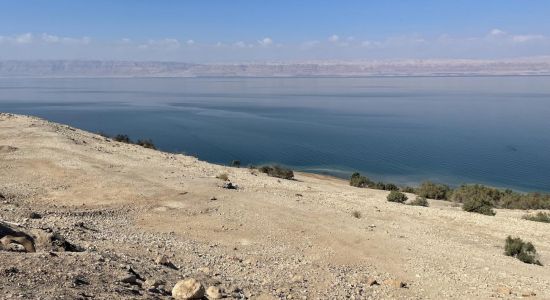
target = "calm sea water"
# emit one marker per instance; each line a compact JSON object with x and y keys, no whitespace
{"x":491,"y":130}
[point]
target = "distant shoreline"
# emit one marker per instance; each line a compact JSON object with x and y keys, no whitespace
{"x":277,"y":77}
{"x":539,"y":66}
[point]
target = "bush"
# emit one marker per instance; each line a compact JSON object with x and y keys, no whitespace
{"x":513,"y":200}
{"x":432,"y":190}
{"x":357,"y":180}
{"x":539,"y":217}
{"x":146,"y":143}
{"x":420,"y":201}
{"x":277,"y":171}
{"x":480,"y":204}
{"x":524,"y":251}
{"x":384,"y":186}
{"x":356,"y":214}
{"x":223,"y":176}
{"x":396,"y":196}
{"x":123,"y":138}
{"x":466,"y":192}
{"x":236,"y":163}
{"x":408,"y":189}
{"x":504,"y":199}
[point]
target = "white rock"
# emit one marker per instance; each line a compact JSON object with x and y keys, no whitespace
{"x":188,"y":289}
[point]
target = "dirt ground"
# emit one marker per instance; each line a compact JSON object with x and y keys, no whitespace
{"x":122,"y":208}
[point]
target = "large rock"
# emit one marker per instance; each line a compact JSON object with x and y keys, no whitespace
{"x":9,"y":235}
{"x":188,"y":289}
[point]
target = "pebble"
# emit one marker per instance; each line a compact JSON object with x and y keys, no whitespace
{"x":214,"y":292}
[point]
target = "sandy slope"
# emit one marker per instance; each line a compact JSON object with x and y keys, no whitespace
{"x":125,"y":205}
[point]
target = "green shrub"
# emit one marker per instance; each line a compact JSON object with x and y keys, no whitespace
{"x":357,"y":180}
{"x":524,"y":251}
{"x":384,"y":186}
{"x":513,"y":200}
{"x":419,"y":201}
{"x":277,"y":171}
{"x":539,"y":217}
{"x":480,"y":204}
{"x":123,"y":138}
{"x":236,"y":163}
{"x":146,"y":143}
{"x":476,"y":191}
{"x":432,"y":190}
{"x":503,"y":199}
{"x":396,"y":196}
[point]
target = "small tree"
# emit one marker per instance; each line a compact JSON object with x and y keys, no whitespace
{"x":396,"y":196}
{"x":524,"y":251}
{"x":236,"y":163}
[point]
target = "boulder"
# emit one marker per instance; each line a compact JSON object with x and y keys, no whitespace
{"x":188,"y":289}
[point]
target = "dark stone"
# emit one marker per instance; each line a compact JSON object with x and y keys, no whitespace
{"x":229,"y":186}
{"x":35,"y":215}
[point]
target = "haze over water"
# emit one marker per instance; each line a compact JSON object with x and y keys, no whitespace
{"x":454,"y":130}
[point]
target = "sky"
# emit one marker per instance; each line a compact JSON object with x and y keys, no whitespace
{"x":217,"y":31}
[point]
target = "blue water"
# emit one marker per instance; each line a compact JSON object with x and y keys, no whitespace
{"x":490,"y":130}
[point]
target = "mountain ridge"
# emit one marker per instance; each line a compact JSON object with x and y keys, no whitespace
{"x":413,"y":67}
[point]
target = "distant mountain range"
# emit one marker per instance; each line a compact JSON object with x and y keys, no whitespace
{"x":89,"y":68}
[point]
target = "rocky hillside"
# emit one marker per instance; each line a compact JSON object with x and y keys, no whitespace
{"x":85,"y":217}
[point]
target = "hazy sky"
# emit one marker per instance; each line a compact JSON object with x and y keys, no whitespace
{"x":287,"y":30}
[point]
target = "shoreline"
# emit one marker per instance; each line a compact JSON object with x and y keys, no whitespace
{"x":323,"y":174}
{"x":167,"y":217}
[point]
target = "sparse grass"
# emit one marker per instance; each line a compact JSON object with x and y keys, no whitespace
{"x":123,"y":138}
{"x":356,"y":214}
{"x":420,"y":201}
{"x":277,"y":171}
{"x":524,"y":251}
{"x":103,"y":134}
{"x":539,"y":217}
{"x":396,"y":196}
{"x":146,"y":143}
{"x":223,"y":176}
